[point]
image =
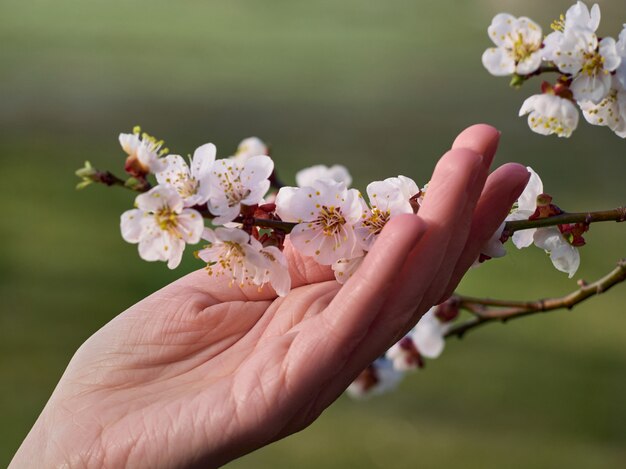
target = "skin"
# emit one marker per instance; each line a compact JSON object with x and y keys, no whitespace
{"x":200,"y":373}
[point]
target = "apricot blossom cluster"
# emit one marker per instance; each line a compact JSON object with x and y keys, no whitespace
{"x":591,"y":69}
{"x":243,"y":216}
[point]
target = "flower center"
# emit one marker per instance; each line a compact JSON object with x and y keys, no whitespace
{"x":593,"y":63}
{"x":233,"y":188}
{"x":411,"y":354}
{"x":166,"y":219}
{"x":559,"y":25}
{"x":268,"y":256}
{"x":188,"y":187}
{"x":330,"y":219}
{"x":522,"y":50}
{"x":376,"y":221}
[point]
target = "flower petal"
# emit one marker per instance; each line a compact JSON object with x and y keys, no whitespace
{"x":498,"y":62}
{"x":131,"y":225}
{"x":202,"y":162}
{"x":256,"y":170}
{"x":176,"y":171}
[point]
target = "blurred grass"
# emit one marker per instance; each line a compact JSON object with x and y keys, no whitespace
{"x":382,"y":88}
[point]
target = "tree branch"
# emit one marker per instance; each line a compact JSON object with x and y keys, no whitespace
{"x":92,"y":175}
{"x":508,"y":310}
{"x":617,"y":215}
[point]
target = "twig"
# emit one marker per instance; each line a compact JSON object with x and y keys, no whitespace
{"x":509,"y":310}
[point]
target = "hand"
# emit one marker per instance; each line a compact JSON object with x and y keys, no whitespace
{"x":200,"y":373}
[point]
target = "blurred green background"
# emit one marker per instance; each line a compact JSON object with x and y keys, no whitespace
{"x":382,"y":87}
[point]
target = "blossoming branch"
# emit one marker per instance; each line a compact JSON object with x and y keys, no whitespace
{"x":251,"y":214}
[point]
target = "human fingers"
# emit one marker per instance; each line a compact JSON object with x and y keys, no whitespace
{"x":483,"y":140}
{"x":451,"y":184}
{"x":447,"y":209}
{"x":325,"y":343}
{"x":502,"y":189}
{"x":480,"y":138}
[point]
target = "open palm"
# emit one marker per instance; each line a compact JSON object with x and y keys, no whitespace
{"x":200,"y":372}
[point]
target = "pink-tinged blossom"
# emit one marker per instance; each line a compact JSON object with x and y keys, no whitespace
{"x":550,"y":114}
{"x":230,"y":254}
{"x":143,"y":153}
{"x":325,"y":215}
{"x":518,"y":42}
{"x":190,"y":181}
{"x":338,"y":173}
{"x":345,"y":268}
{"x":233,"y":184}
{"x":378,"y":378}
{"x":161,"y":225}
{"x":272,"y":269}
{"x":388,"y":199}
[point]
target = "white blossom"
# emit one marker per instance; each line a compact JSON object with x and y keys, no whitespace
{"x":620,"y":72}
{"x":325,"y":213}
{"x":191,"y":181}
{"x":143,"y":151}
{"x":307,"y":176}
{"x":493,"y":248}
{"x":230,"y":253}
{"x":233,"y":183}
{"x":550,"y":114}
{"x":576,"y":50}
{"x":610,"y":112}
{"x":249,"y":147}
{"x":388,"y":199}
{"x":426,"y":339}
{"x":590,"y":62}
{"x":378,"y":378}
{"x":518,"y":42}
{"x":525,"y":207}
{"x":563,"y":255}
{"x":577,"y":17}
{"x":161,"y":225}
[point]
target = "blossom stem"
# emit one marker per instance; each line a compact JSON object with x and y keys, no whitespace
{"x":618,"y":215}
{"x":506,"y":310}
{"x":518,"y":80}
